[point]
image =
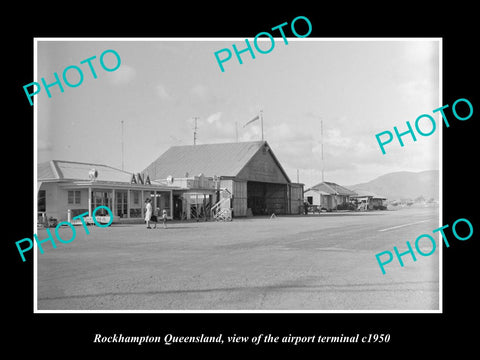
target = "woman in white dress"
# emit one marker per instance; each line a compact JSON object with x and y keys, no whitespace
{"x":148,"y":212}
{"x":164,"y":217}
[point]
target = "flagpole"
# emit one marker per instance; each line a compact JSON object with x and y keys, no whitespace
{"x":261,"y":120}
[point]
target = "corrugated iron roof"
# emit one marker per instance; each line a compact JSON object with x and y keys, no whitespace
{"x":317,"y":191}
{"x":366,"y":193}
{"x":61,"y":170}
{"x":225,"y":159}
{"x":45,"y":171}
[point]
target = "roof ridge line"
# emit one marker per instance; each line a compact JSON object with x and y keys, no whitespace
{"x":55,"y":169}
{"x":79,"y":162}
{"x":331,"y":188}
{"x":222,"y":143}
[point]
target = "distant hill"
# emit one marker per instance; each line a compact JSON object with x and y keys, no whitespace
{"x":403,"y":185}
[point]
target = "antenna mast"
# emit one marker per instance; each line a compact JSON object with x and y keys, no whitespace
{"x":323,"y":162}
{"x":195,"y":131}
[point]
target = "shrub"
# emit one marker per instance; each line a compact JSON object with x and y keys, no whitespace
{"x":346,"y":206}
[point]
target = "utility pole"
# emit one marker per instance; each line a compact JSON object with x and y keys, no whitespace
{"x":261,"y":121}
{"x":122,"y":147}
{"x":195,"y":131}
{"x":323,"y":162}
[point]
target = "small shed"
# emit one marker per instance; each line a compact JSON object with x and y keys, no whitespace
{"x":328,"y":196}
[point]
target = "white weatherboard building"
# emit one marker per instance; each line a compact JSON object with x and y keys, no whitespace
{"x":67,"y":189}
{"x":328,"y":195}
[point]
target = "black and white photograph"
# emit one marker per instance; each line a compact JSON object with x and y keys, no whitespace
{"x":244,"y":181}
{"x":276,"y":192}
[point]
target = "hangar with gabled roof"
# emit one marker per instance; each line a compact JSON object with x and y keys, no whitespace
{"x":249,"y":171}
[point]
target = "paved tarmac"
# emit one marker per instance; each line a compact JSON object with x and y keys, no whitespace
{"x":315,"y":262}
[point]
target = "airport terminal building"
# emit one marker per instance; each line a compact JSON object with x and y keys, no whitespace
{"x":67,"y":189}
{"x":189,"y":182}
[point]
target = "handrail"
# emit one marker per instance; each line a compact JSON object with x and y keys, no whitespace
{"x":218,"y":204}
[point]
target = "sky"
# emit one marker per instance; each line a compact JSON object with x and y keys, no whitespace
{"x":356,"y":88}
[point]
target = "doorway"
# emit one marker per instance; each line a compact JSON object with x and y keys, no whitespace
{"x":177,"y":207}
{"x":121,"y":203}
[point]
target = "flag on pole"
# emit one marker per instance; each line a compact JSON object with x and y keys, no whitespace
{"x":254,"y":119}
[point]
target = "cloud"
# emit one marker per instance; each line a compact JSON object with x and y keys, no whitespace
{"x":300,"y":147}
{"x":212,"y":129}
{"x":162,"y":92}
{"x":123,"y":75}
{"x":200,"y":91}
{"x":214,"y":118}
{"x":216,"y":129}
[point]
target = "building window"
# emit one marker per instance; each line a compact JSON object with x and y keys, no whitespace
{"x":136,"y":197}
{"x":101,"y":198}
{"x":310,"y":200}
{"x":121,"y":203}
{"x":74,"y":197}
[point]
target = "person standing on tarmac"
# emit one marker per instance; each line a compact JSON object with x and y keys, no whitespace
{"x":148,"y":212}
{"x":164,"y":217}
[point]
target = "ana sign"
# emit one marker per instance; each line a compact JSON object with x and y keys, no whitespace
{"x":138,"y":179}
